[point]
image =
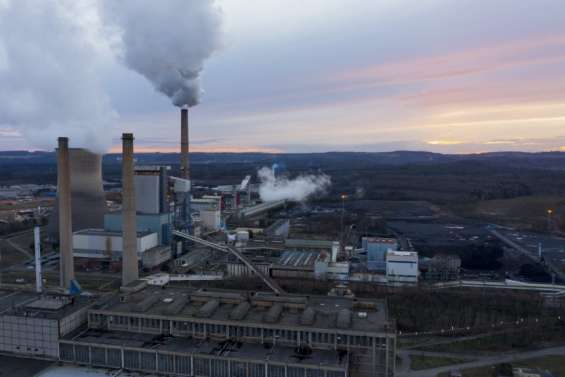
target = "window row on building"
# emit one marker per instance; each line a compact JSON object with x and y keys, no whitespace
{"x":151,"y":361}
{"x":315,"y":338}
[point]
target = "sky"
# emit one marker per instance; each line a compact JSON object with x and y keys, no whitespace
{"x":449,"y":76}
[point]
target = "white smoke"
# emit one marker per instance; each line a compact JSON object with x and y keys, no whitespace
{"x":166,"y":41}
{"x":298,"y":189}
{"x":48,"y":74}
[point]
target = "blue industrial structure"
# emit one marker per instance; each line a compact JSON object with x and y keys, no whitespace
{"x":376,"y":249}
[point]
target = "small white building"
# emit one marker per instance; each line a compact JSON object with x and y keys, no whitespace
{"x":209,"y":210}
{"x":108,"y":245}
{"x":402,"y":267}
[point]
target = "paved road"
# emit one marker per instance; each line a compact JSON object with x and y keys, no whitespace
{"x":484,"y":361}
{"x":18,"y":248}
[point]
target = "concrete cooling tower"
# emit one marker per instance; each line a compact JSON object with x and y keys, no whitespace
{"x":87,"y":193}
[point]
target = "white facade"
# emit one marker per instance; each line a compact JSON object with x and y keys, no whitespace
{"x":402,"y":267}
{"x":147,"y":193}
{"x":209,"y":210}
{"x":101,"y":244}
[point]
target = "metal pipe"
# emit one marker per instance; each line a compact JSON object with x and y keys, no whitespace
{"x":37,"y":243}
{"x":67,"y":273}
{"x":130,"y":270}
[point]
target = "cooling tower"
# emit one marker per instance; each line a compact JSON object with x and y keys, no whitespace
{"x":184,"y":161}
{"x":87,"y":193}
{"x":130,"y":270}
{"x":65,"y":218}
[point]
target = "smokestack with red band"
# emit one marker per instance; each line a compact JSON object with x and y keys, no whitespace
{"x":184,"y":162}
{"x":129,"y":233}
{"x":67,"y":272}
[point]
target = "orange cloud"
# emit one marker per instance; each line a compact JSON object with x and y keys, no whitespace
{"x":444,"y":142}
{"x":541,"y":50}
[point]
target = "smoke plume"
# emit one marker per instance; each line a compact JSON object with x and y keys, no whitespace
{"x":166,"y":41}
{"x":298,"y":189}
{"x":48,"y":75}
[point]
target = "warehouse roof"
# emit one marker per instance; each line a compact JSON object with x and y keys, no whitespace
{"x":30,"y":304}
{"x":265,"y":309}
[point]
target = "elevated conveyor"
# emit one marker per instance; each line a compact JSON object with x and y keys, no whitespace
{"x":228,"y":249}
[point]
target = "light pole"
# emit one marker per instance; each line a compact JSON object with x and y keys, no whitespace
{"x":549,"y":213}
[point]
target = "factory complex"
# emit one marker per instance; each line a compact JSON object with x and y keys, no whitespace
{"x":156,"y":323}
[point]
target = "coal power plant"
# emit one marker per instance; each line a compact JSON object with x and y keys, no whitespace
{"x":150,"y":324}
{"x":157,"y":238}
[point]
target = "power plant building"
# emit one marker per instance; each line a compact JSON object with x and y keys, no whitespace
{"x":208,"y":209}
{"x":376,"y":249}
{"x":155,"y":223}
{"x":402,"y":267}
{"x":151,"y":185}
{"x":152,"y":222}
{"x":103,"y":245}
{"x":181,"y":332}
{"x":31,"y":324}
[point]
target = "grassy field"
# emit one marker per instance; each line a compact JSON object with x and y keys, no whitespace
{"x":554,"y":364}
{"x":418,"y":362}
{"x":527,"y":338}
{"x":523,"y":212}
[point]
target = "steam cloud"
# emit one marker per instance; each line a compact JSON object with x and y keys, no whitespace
{"x":48,"y":75}
{"x":167,"y":42}
{"x":298,"y":189}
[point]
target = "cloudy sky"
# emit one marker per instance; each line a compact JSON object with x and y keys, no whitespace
{"x":452,"y":76}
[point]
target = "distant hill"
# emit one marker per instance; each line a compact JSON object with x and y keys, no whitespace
{"x":401,"y":175}
{"x":335,"y":160}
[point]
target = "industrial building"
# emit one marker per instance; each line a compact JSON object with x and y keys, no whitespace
{"x":402,"y":267}
{"x":289,"y":259}
{"x":103,"y":245}
{"x":376,"y":249}
{"x":145,"y":222}
{"x":442,"y":267}
{"x":286,"y":264}
{"x":151,"y":186}
{"x":32,"y":324}
{"x":152,"y":223}
{"x":175,"y":331}
{"x":208,"y":211}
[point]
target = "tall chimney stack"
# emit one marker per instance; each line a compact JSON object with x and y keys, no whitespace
{"x":129,"y":233}
{"x":184,"y":162}
{"x":67,"y":271}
